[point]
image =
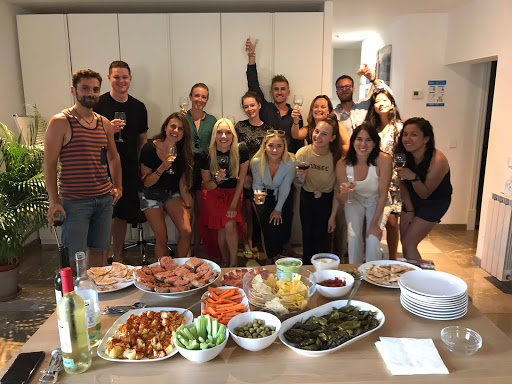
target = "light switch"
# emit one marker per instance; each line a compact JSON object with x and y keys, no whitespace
{"x":453,"y":143}
{"x":417,"y":94}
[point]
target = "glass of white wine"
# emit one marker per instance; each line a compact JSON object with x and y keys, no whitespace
{"x":120,"y":116}
{"x":297,"y":101}
{"x":350,"y":182}
{"x":184,"y":103}
{"x":171,"y":156}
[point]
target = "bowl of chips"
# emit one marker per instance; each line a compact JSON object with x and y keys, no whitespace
{"x":283,"y":297}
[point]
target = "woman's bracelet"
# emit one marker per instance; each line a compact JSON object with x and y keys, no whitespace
{"x":158,"y":173}
{"x":251,"y":54}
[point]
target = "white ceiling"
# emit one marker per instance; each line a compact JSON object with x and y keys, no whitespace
{"x":357,"y":17}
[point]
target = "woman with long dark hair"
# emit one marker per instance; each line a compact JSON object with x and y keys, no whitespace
{"x":424,"y":184}
{"x":273,"y":168}
{"x":166,"y":179}
{"x":223,"y":170}
{"x":364,"y":176}
{"x":383,"y":115}
{"x":317,"y":206}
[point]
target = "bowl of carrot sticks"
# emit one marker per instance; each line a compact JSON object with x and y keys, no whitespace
{"x":224,"y":303}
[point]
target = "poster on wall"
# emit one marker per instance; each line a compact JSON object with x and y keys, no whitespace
{"x":436,"y":90}
{"x":383,"y":66}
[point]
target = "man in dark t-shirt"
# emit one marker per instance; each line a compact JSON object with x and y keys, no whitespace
{"x":130,"y":136}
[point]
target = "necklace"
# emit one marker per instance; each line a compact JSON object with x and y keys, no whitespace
{"x":83,"y":118}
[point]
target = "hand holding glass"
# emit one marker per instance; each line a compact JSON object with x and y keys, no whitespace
{"x":223,"y":161}
{"x":259,"y":196}
{"x":400,"y":160}
{"x":120,"y":116}
{"x":302,"y":165}
{"x":297,"y":101}
{"x":173,"y":152}
{"x":351,"y":184}
{"x":184,"y":103}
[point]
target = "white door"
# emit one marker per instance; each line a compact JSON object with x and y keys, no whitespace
{"x":144,"y":45}
{"x":94,"y":43}
{"x":298,"y":53}
{"x":45,"y":64}
{"x":236,"y":28}
{"x":195,"y":57}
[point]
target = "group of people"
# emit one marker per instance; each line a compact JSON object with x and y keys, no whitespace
{"x":221,"y":182}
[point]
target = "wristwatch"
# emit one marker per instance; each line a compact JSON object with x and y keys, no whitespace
{"x":417,"y":178}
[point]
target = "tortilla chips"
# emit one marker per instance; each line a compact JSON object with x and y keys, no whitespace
{"x":386,"y":274}
{"x":119,"y":273}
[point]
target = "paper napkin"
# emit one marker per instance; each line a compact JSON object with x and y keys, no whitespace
{"x":405,"y":356}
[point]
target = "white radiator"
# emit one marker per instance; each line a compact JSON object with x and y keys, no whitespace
{"x":497,"y":249}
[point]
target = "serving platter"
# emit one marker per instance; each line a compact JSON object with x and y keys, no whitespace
{"x":362,"y":268}
{"x":123,"y":285}
{"x":101,"y":348}
{"x":324,"y":310}
{"x":176,"y":295}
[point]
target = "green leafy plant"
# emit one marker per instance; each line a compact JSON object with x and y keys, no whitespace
{"x":23,"y":196}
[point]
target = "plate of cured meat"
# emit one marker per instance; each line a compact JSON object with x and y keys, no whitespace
{"x":234,"y":278}
{"x":176,"y":277}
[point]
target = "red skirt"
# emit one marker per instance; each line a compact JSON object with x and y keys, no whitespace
{"x":213,"y":217}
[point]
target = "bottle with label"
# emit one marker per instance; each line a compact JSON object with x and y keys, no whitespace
{"x":74,"y":341}
{"x":64,"y":263}
{"x":86,"y":288}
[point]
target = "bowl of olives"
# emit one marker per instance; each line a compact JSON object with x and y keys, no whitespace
{"x":254,"y":331}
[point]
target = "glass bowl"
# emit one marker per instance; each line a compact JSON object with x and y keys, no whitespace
{"x":283,"y":305}
{"x":461,"y":340}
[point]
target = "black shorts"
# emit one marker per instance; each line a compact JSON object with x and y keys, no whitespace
{"x":196,"y":173}
{"x":431,"y":210}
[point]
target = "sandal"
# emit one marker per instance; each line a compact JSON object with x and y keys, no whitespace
{"x":248,"y":254}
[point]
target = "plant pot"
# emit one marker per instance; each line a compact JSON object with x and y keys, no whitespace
{"x":9,"y":279}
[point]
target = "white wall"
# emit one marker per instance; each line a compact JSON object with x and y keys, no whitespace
{"x":11,"y":91}
{"x":345,"y":62}
{"x":418,"y":55}
{"x":476,"y":32}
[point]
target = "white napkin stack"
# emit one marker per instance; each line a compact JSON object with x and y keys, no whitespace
{"x":405,"y":356}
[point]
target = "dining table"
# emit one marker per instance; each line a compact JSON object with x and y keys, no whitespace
{"x":359,"y":362}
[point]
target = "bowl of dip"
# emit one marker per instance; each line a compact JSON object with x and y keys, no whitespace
{"x":323,"y":261}
{"x":287,"y":266}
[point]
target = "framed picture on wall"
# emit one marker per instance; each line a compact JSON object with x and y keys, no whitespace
{"x":383,"y":70}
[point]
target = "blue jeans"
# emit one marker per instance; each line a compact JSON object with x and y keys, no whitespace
{"x":87,"y":224}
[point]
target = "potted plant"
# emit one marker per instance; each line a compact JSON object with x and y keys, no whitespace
{"x":23,"y":199}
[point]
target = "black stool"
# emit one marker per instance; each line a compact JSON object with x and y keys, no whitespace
{"x":141,"y":242}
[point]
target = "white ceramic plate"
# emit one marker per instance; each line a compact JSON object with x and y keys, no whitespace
{"x":324,"y":310}
{"x":122,"y":285}
{"x":172,"y":295}
{"x":433,"y":300}
{"x":433,"y":316}
{"x":437,"y":310}
{"x":362,"y":269}
{"x":433,"y":283}
{"x":435,"y":307}
{"x":245,"y":302}
{"x":101,"y":348}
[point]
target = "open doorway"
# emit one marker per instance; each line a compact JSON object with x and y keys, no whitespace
{"x":485,"y":141}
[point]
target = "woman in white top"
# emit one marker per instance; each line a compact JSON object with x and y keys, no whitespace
{"x":273,"y":168}
{"x":370,"y":169}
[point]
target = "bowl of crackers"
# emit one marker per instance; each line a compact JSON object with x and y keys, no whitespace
{"x":283,"y":297}
{"x":385,"y":273}
{"x":112,"y":277}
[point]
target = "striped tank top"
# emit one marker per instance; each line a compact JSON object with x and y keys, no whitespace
{"x":83,"y":161}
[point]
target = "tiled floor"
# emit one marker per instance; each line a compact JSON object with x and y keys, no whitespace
{"x":452,"y":251}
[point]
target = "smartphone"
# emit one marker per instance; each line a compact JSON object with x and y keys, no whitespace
{"x":23,"y":368}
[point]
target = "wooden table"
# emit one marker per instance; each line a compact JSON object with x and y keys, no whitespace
{"x":357,"y":363}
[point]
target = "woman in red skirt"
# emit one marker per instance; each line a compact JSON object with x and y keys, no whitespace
{"x":223,"y":170}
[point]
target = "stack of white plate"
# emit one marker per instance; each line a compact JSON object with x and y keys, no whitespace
{"x":433,"y":295}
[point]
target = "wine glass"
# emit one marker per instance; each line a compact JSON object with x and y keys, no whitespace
{"x":350,"y":182}
{"x":223,"y":161}
{"x":260,"y":195}
{"x":173,"y":152}
{"x":120,"y":116}
{"x":303,"y":165}
{"x":400,"y":160}
{"x":297,"y":101}
{"x":184,"y":103}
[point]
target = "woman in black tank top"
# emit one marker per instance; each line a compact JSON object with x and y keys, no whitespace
{"x":425,"y":184}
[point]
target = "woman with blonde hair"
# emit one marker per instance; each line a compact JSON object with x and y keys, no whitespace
{"x":223,"y":170}
{"x":273,"y":168}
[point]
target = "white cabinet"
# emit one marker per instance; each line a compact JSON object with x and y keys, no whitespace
{"x":236,"y":28}
{"x":145,"y":45}
{"x":94,"y":43}
{"x":298,"y":53}
{"x":45,"y":62}
{"x":195,"y":57}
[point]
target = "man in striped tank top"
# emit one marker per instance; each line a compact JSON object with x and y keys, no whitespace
{"x":82,"y":141}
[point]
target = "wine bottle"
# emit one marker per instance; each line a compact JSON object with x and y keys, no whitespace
{"x":74,"y":341}
{"x":64,"y":263}
{"x":86,"y":288}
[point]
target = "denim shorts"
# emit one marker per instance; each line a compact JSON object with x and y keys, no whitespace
{"x":87,"y":224}
{"x":146,"y":203}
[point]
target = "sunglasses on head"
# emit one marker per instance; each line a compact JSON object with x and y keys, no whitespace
{"x":278,"y":132}
{"x":196,"y":141}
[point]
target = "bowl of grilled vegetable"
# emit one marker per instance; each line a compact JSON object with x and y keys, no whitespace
{"x":201,"y":341}
{"x":330,"y":327}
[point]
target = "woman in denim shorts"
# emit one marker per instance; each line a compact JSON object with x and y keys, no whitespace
{"x":166,"y":180}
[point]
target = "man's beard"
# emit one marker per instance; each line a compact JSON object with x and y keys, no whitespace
{"x":87,"y":101}
{"x":344,"y":98}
